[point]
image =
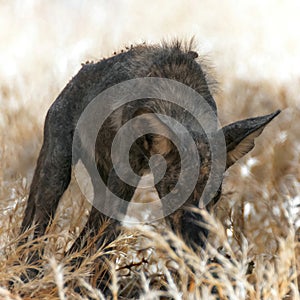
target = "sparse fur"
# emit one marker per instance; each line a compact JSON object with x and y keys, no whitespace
{"x":53,"y":172}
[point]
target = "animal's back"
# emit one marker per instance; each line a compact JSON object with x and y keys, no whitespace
{"x":173,"y":61}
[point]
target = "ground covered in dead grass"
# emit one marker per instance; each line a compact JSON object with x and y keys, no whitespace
{"x":253,"y":250}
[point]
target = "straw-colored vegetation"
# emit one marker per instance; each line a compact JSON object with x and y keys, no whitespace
{"x":253,"y":250}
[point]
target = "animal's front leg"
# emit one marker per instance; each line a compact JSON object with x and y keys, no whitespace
{"x":188,"y":223}
{"x":106,"y":224}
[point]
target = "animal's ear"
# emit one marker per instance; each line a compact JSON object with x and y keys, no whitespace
{"x":239,"y":136}
{"x":158,"y":140}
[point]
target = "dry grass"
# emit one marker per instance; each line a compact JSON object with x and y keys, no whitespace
{"x":255,"y":50}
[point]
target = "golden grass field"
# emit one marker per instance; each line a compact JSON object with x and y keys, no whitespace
{"x":254,"y":48}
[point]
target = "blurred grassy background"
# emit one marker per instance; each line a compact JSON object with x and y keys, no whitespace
{"x":253,"y":46}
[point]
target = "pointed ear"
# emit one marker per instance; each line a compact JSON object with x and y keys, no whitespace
{"x":159,"y":140}
{"x":239,"y":136}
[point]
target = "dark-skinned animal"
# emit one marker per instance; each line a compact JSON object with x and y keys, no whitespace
{"x":172,"y":61}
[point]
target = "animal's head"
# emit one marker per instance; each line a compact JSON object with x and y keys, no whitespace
{"x":239,"y":140}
